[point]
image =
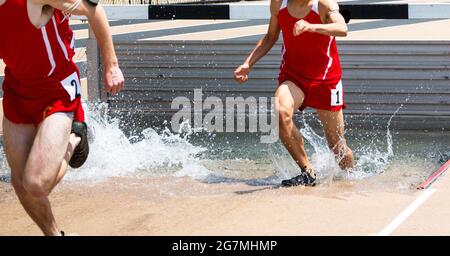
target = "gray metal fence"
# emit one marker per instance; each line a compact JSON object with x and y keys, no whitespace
{"x":378,"y":77}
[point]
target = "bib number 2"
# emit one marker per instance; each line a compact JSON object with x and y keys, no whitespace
{"x":337,"y":95}
{"x":72,"y":85}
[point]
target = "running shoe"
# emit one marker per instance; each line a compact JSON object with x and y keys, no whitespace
{"x":81,"y":152}
{"x":304,"y":179}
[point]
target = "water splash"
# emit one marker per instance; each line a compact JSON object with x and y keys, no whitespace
{"x":372,"y":160}
{"x":236,"y":158}
{"x":5,"y":174}
{"x":283,"y":166}
{"x":370,"y":157}
{"x":323,"y":159}
{"x":112,"y":154}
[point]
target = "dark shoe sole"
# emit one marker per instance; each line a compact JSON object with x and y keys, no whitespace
{"x":81,"y":152}
{"x":303,"y":179}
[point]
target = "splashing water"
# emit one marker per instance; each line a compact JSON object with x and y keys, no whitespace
{"x":5,"y":175}
{"x":112,"y":154}
{"x":370,"y":158}
{"x":233,"y":157}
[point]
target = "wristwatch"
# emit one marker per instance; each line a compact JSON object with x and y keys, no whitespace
{"x":94,"y":2}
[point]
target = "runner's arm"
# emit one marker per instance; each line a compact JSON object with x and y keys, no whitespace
{"x":263,"y":46}
{"x":334,"y":23}
{"x":268,"y":41}
{"x":98,"y":21}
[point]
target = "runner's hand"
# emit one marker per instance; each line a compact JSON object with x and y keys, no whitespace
{"x":241,"y":73}
{"x":302,"y":26}
{"x":113,"y":77}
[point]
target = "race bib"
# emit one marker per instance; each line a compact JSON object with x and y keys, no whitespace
{"x":337,"y":95}
{"x":72,"y":85}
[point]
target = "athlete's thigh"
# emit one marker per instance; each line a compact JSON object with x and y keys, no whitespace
{"x":49,"y":146}
{"x":289,"y":96}
{"x":333,"y":125}
{"x":18,"y":140}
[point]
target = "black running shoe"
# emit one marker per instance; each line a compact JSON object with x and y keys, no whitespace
{"x":81,"y":152}
{"x":304,"y":179}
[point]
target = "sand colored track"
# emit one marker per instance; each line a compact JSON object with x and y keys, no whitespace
{"x":432,"y":217}
{"x":145,"y":207}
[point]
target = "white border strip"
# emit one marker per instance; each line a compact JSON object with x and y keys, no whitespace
{"x":58,"y":37}
{"x":49,"y":50}
{"x":429,"y":11}
{"x":253,"y":11}
{"x":122,"y":12}
{"x":406,"y":213}
{"x":118,"y":12}
{"x":249,"y":11}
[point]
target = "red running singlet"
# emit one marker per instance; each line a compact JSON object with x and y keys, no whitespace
{"x":311,"y":61}
{"x":40,"y":77}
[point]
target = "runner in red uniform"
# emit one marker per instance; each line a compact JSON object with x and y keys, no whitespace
{"x":310,"y":75}
{"x":43,"y":127}
{"x":40,"y":78}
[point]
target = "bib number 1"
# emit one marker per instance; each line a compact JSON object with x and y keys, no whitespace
{"x":337,"y":95}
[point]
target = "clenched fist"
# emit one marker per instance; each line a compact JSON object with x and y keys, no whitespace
{"x":114,"y":80}
{"x":302,"y":26}
{"x":241,"y":73}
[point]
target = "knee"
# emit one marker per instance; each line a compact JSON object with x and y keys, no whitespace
{"x":35,"y":186}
